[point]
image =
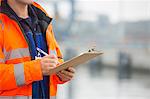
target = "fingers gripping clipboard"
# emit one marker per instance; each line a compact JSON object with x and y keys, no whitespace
{"x":76,"y":61}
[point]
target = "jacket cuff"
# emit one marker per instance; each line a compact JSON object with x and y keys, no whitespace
{"x":33,"y":71}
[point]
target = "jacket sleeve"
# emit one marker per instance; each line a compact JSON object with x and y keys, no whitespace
{"x":16,"y":75}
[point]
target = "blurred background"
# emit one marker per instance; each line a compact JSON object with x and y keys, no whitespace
{"x":118,"y":28}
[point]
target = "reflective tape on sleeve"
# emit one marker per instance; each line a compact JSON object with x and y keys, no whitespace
{"x":17,"y":53}
{"x":19,"y":74}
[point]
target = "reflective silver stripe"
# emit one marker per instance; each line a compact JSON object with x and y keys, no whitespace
{"x":17,"y":53}
{"x":2,"y":61}
{"x":52,"y":97}
{"x":19,"y":74}
{"x":15,"y":97}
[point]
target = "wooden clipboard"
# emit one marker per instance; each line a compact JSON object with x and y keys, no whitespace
{"x":76,"y":61}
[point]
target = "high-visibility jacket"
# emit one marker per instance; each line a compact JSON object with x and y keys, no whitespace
{"x":17,"y":70}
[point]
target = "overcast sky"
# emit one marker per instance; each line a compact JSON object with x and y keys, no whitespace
{"x":130,"y":10}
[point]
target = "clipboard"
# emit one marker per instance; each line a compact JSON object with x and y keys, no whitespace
{"x":76,"y":61}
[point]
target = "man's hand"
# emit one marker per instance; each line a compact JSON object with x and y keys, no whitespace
{"x":47,"y":63}
{"x":66,"y":75}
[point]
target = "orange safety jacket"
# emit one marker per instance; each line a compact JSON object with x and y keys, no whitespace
{"x":17,"y":70}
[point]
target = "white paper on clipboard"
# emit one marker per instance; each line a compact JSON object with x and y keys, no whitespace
{"x":76,"y":61}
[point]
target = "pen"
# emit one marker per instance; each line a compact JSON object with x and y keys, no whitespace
{"x":41,"y":51}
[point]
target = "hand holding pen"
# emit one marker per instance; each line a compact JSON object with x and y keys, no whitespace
{"x":48,"y":62}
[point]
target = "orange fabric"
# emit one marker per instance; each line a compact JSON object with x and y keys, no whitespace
{"x":18,"y":60}
{"x":32,"y":71}
{"x":55,"y":45}
{"x":10,"y":35}
{"x":7,"y":79}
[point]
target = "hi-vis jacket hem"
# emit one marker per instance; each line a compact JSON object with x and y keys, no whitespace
{"x":21,"y":97}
